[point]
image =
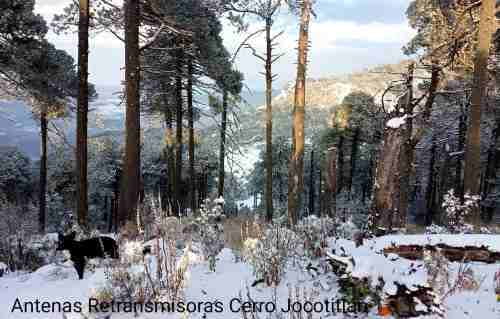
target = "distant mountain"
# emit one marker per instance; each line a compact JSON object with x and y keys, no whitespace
{"x":19,"y":128}
{"x":328,"y":92}
{"x":322,"y":97}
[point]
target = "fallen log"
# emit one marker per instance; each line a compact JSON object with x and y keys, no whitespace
{"x":404,"y":302}
{"x":414,"y":302}
{"x":460,"y":254}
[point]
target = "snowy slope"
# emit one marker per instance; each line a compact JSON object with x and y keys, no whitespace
{"x":53,"y":283}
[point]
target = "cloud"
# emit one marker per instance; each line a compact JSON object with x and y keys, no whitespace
{"x":389,"y":11}
{"x":106,"y":56}
{"x":347,"y":35}
{"x":337,"y":46}
{"x":328,"y":33}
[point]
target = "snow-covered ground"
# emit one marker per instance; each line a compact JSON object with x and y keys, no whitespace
{"x":234,"y":278}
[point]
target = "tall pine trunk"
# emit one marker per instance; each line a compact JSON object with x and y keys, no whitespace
{"x":132,"y":163}
{"x":332,"y":172}
{"x":462,"y":128}
{"x":170,"y":157}
{"x":340,"y":164}
{"x":320,"y":192}
{"x":222,"y":148}
{"x":354,"y":155}
{"x":192,"y":178}
{"x":269,"y":124}
{"x":296,"y":169}
{"x":493,"y":166}
{"x":83,"y":105}
{"x":178,"y":136}
{"x":430,"y":192}
{"x":311,"y":184}
{"x":42,"y":199}
{"x":472,"y":172}
{"x":443,"y":183}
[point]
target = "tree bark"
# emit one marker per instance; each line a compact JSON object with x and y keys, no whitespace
{"x":269,"y":124}
{"x":472,"y":172}
{"x":42,"y":199}
{"x":192,"y":177}
{"x":222,"y":149}
{"x":82,"y":111}
{"x":132,"y":164}
{"x":296,"y":170}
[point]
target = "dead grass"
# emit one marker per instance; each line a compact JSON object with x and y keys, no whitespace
{"x":238,"y":229}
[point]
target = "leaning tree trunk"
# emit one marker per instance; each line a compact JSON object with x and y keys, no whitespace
{"x":384,"y":210}
{"x":222,"y":148}
{"x":269,"y":123}
{"x":392,"y":177}
{"x":42,"y":199}
{"x":472,"y":172}
{"x":296,"y":170}
{"x":83,"y":105}
{"x":131,"y":180}
{"x":406,"y":159}
{"x":192,"y":178}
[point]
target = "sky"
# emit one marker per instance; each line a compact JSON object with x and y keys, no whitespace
{"x":346,"y":36}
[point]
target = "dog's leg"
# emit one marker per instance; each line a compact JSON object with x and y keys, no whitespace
{"x":79,"y":264}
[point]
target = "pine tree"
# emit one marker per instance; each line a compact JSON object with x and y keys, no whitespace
{"x":131,"y":178}
{"x":82,"y":111}
{"x":296,"y":170}
{"x":472,"y":170}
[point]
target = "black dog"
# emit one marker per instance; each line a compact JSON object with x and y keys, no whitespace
{"x":91,"y":248}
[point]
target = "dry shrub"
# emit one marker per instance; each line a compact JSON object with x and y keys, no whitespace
{"x":438,"y":271}
{"x":158,"y":275}
{"x":440,"y":275}
{"x":270,"y":253}
{"x":466,"y":280}
{"x":314,"y":232}
{"x":170,"y":275}
{"x":302,"y":296}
